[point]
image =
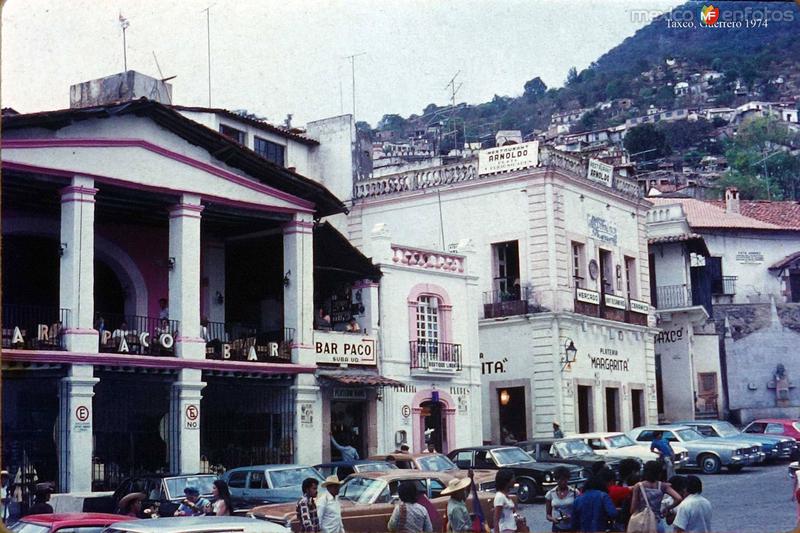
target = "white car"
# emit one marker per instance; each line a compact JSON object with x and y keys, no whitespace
{"x":197,"y":524}
{"x":620,"y":445}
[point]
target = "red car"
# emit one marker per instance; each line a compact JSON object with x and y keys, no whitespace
{"x":775,"y":426}
{"x":73,"y":522}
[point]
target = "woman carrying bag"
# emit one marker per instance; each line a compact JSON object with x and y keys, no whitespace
{"x":646,"y":499}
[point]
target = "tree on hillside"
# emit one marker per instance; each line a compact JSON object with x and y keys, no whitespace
{"x":572,"y":76}
{"x":682,"y":134}
{"x":534,"y":89}
{"x":394,"y":123}
{"x":643,"y":138}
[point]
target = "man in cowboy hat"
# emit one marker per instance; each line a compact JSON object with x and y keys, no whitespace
{"x":329,"y":509}
{"x":131,"y":505}
{"x":458,"y":519}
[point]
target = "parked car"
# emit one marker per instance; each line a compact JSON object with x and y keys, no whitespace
{"x":368,"y":500}
{"x":163,"y":492}
{"x":774,"y":447}
{"x":342,"y":469}
{"x":197,"y":524}
{"x":709,"y":454}
{"x":774,"y":426}
{"x":260,"y":484}
{"x":572,"y":451}
{"x":66,"y":522}
{"x":437,"y":462}
{"x":620,"y":445}
{"x":534,"y":478}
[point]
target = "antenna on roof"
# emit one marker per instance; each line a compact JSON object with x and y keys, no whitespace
{"x":453,"y":90}
{"x":208,"y":38}
{"x":352,"y":59}
{"x":161,"y":75}
{"x":123,"y":22}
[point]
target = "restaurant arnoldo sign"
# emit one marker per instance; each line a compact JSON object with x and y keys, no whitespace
{"x":508,"y":158}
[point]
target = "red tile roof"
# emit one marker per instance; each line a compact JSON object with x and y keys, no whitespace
{"x":783,"y":214}
{"x":710,"y":215}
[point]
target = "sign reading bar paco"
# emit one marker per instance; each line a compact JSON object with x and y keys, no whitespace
{"x":616,"y":302}
{"x":600,"y":172}
{"x":586,"y":296}
{"x":508,"y":158}
{"x":344,"y":348}
{"x":639,"y":307}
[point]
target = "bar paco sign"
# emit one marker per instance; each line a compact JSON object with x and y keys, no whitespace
{"x":344,"y":348}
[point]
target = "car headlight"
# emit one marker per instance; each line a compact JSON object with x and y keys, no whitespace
{"x":548,"y":478}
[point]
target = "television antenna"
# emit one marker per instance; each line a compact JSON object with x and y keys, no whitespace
{"x":208,"y":44}
{"x":453,"y":91}
{"x":161,"y":76}
{"x":352,"y":59}
{"x":124,"y":23}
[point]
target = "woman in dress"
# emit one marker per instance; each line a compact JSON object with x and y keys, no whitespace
{"x":654,"y":491}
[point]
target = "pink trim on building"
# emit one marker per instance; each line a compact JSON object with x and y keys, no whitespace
{"x":448,"y":413}
{"x":186,"y":209}
{"x":445,"y":310}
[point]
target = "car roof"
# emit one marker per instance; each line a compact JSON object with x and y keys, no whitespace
{"x":546,"y":439}
{"x":74,"y":519}
{"x":598,"y":435}
{"x":776,"y":420}
{"x":486,"y":447}
{"x":268,"y":467}
{"x":352,"y":463}
{"x":665,"y":427}
{"x":187,"y":524}
{"x":400,"y":474}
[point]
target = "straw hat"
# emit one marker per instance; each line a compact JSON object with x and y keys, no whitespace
{"x":456,"y":485}
{"x":126,"y":502}
{"x":331,"y":480}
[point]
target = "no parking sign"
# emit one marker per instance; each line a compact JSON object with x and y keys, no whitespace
{"x":192,"y":416}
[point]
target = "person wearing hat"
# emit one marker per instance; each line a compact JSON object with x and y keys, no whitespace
{"x":329,"y":508}
{"x":131,"y":505}
{"x":193,"y":505}
{"x":458,"y":519}
{"x":40,"y":505}
{"x":557,"y":433}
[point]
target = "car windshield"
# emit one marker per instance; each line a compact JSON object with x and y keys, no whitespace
{"x":726,"y":429}
{"x":175,"y":485}
{"x":361,"y":489}
{"x":375,"y":467}
{"x":436,"y":463}
{"x":620,"y":441}
{"x":571,"y":448}
{"x":292,"y":477}
{"x":687,"y":435}
{"x":511,"y":456}
{"x":27,"y":527}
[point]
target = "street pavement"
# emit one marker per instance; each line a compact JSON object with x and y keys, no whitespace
{"x":756,"y":499}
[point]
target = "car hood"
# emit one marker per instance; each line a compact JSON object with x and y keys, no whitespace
{"x":591,"y":458}
{"x":275,"y":511}
{"x":716,"y":441}
{"x":757,"y":439}
{"x":542,"y":467}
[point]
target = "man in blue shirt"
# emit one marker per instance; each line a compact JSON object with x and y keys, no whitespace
{"x":594,"y":509}
{"x":348,"y":452}
{"x":661,"y":446}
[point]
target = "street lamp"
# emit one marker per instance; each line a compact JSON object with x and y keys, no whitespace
{"x":570,"y":354}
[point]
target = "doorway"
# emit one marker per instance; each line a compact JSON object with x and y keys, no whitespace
{"x":637,"y":407}
{"x":606,"y":274}
{"x":433,"y":424}
{"x":348,"y":426}
{"x":794,"y":285}
{"x":612,"y":409}
{"x":659,"y":386}
{"x":585,"y":409}
{"x":511,"y":402}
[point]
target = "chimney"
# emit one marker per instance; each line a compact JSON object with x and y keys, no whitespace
{"x":732,"y":200}
{"x":122,"y":87}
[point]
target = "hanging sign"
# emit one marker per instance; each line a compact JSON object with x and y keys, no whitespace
{"x":600,"y":172}
{"x":587,"y":296}
{"x":616,"y":302}
{"x":344,"y":348}
{"x":508,"y":158}
{"x":349,"y":394}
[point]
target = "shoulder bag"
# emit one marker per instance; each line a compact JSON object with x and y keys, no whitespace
{"x":643,"y":521}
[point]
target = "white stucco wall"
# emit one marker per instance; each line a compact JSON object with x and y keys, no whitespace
{"x":675,"y":346}
{"x":671,"y":265}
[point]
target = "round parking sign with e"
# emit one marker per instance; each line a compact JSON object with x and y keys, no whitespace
{"x":192,"y":415}
{"x":82,"y":413}
{"x":406,"y":411}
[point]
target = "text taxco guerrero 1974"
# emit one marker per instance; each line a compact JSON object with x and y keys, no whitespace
{"x":713,"y":17}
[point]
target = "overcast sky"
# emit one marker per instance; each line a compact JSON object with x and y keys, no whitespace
{"x":275,"y":57}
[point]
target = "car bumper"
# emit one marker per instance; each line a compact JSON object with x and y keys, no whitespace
{"x":743,"y":459}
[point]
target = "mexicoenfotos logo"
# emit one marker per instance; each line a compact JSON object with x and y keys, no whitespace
{"x":709,"y":15}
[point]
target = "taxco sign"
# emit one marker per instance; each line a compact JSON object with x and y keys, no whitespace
{"x":600,"y":172}
{"x":508,"y":158}
{"x":344,"y":348}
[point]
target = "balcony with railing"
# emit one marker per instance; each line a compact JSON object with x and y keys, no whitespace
{"x":724,"y":286}
{"x":500,"y":303}
{"x":34,"y":327}
{"x":435,"y":357}
{"x":139,"y":335}
{"x":673,"y":297}
{"x":245,"y":342}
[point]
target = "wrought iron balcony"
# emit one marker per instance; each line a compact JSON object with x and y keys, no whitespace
{"x":725,"y":286}
{"x":132,"y":334}
{"x":34,"y":327}
{"x":243,"y":342}
{"x":506,"y":303}
{"x":673,"y":297}
{"x":435,"y":357}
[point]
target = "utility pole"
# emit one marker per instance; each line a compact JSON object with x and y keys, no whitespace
{"x":766,"y":173}
{"x":124,"y":23}
{"x":208,"y":40}
{"x":352,"y":59}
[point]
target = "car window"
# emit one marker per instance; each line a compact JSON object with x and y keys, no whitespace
{"x":706,"y":431}
{"x":670,"y":436}
{"x":436,"y":463}
{"x":27,"y":527}
{"x":237,"y":479}
{"x":292,"y":477}
{"x":597,"y":444}
{"x":436,"y":487}
{"x":376,"y":467}
{"x":755,"y":427}
{"x":646,"y":436}
{"x":774,"y":429}
{"x":257,"y":480}
{"x":463,"y":459}
{"x":620,"y":441}
{"x":176,"y":485}
{"x":482,"y":460}
{"x":385,"y":496}
{"x":325,"y":470}
{"x":405,"y":464}
{"x":362,"y":490}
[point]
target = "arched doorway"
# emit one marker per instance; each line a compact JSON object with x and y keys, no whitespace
{"x":433,"y":424}
{"x":434,"y":409}
{"x":109,"y":295}
{"x":30,"y":270}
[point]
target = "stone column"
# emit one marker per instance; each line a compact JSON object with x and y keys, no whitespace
{"x":75,"y":429}
{"x":184,"y":277}
{"x":184,"y":422}
{"x":308,"y":421}
{"x":298,"y":293}
{"x":76,"y":292}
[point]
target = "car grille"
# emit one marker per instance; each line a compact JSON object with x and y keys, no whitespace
{"x":786,"y":445}
{"x":577,"y":475}
{"x":489,"y":486}
{"x":755,"y":449}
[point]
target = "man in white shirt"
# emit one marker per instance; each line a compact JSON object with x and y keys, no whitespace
{"x":329,"y":508}
{"x":694,"y":512}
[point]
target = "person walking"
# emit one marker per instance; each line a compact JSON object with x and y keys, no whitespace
{"x":329,"y":508}
{"x":409,"y":516}
{"x":620,"y":493}
{"x":348,"y":452}
{"x":504,"y":516}
{"x":222,"y":505}
{"x":306,"y":509}
{"x":560,"y":500}
{"x":694,"y":512}
{"x":666,"y":454}
{"x":593,"y":510}
{"x":650,"y":491}
{"x":131,"y":504}
{"x":458,"y":519}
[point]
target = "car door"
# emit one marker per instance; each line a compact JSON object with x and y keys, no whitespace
{"x":370,"y":518}
{"x":257,"y":487}
{"x":463,"y":459}
{"x":597,"y":445}
{"x":237,"y":483}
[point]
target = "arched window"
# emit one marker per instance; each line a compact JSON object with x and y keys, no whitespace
{"x":428,"y":320}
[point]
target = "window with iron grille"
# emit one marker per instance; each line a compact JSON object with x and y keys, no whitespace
{"x":270,"y":151}
{"x":428,"y":320}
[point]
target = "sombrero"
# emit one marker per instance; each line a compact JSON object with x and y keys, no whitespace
{"x":456,"y":485}
{"x":125,"y":502}
{"x":331,"y":480}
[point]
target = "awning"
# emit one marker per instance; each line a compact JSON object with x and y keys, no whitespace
{"x":694,"y":242}
{"x":786,"y":262}
{"x":338,"y":260}
{"x":368,"y":379}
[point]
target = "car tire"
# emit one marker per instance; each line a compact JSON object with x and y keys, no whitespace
{"x":735,"y":469}
{"x":527,"y":491}
{"x":709,"y":464}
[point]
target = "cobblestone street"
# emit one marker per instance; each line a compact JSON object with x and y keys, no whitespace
{"x":757,"y":499}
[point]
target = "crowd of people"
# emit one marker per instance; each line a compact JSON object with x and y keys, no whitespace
{"x":193,"y":503}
